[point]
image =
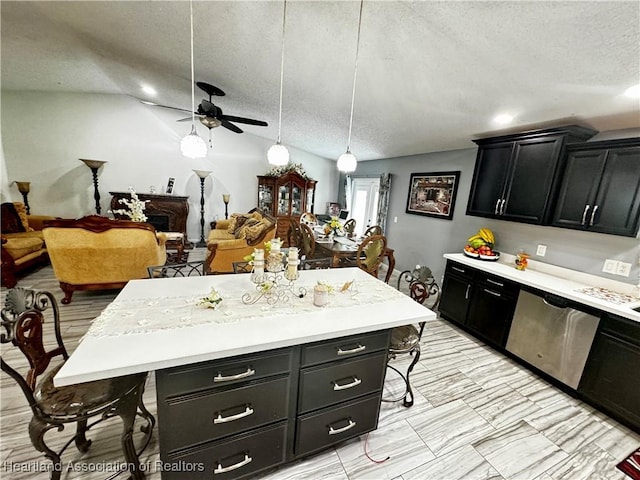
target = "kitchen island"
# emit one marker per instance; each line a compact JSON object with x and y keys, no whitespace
{"x":245,"y":387}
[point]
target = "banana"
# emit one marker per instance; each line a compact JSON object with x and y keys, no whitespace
{"x":475,"y":237}
{"x":487,"y":235}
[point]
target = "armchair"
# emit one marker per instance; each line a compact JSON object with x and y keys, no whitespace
{"x":96,"y":253}
{"x":231,"y":240}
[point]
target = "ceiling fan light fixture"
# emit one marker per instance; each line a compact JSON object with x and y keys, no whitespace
{"x":347,"y":162}
{"x":193,"y":146}
{"x":278,"y":155}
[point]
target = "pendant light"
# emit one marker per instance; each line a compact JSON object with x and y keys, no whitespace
{"x":278,"y":155}
{"x":347,"y":161}
{"x":193,"y":146}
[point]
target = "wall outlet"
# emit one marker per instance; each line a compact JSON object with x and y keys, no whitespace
{"x":610,"y":266}
{"x":541,"y":251}
{"x":623,"y":269}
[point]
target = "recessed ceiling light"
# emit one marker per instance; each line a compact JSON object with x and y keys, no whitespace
{"x":633,"y":92}
{"x":149,"y":90}
{"x":503,"y":119}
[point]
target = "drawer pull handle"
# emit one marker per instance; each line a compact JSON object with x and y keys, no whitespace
{"x":220,"y":378}
{"x":584,"y":214}
{"x":220,"y":419}
{"x":359,"y":348}
{"x":461,"y":270}
{"x":336,"y":431}
{"x":495,"y":294}
{"x":495,"y":212}
{"x":495,"y":283}
{"x":593,"y":214}
{"x":221,"y":469}
{"x":355,"y":383}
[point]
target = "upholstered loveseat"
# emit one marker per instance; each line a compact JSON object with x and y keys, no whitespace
{"x":233,"y":239}
{"x":22,"y":244}
{"x":95,"y":253}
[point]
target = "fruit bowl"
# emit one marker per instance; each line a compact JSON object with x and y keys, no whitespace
{"x":488,"y":258}
{"x":472,"y":255}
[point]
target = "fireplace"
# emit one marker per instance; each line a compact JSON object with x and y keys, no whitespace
{"x":167,"y":213}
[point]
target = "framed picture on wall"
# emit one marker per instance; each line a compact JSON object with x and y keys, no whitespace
{"x":433,"y":194}
{"x":170,"y":185}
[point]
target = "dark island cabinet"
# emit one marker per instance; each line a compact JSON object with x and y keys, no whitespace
{"x":516,"y":176}
{"x":479,"y":302}
{"x":600,"y":190}
{"x":610,"y":378}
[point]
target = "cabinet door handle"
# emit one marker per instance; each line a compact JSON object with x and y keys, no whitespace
{"x":355,"y":383}
{"x":495,"y":294}
{"x":593,"y":214}
{"x":502,"y":206}
{"x":466,"y":293}
{"x":220,"y":378}
{"x":220,"y":419}
{"x":495,"y":283}
{"x":495,"y":211}
{"x":359,"y":348}
{"x":460,"y":270}
{"x":584,"y":214}
{"x":221,"y":469}
{"x":335,"y":431}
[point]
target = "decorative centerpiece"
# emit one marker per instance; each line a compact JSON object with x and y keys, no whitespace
{"x":136,"y":207}
{"x":213,"y":300}
{"x":333,"y":228}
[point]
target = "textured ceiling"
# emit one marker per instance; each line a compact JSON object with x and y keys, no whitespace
{"x":431,"y":75}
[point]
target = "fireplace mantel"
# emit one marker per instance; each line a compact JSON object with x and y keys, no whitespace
{"x":164,"y":212}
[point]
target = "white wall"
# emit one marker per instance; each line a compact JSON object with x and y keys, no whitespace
{"x":44,"y":134}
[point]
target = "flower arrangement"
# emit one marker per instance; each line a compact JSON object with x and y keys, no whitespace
{"x":333,"y":227}
{"x":288,"y":168}
{"x":136,"y":207}
{"x":213,"y":300}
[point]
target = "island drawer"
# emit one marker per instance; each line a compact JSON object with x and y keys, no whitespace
{"x":195,"y":418}
{"x":346,"y":347}
{"x":219,"y":373}
{"x":239,"y":457}
{"x":333,"y":425}
{"x":336,"y":382}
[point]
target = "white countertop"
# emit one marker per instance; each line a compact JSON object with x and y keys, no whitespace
{"x":562,"y":282}
{"x":104,"y":356}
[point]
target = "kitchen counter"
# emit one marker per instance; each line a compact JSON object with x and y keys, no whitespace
{"x":556,"y":280}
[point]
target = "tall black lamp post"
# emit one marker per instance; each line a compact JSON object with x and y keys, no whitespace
{"x":203,"y":174}
{"x":23,"y":188}
{"x":94,"y":165}
{"x":225,"y":198}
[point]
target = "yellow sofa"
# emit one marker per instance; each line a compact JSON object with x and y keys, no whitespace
{"x":23,"y":246}
{"x":95,"y":253}
{"x":233,"y":239}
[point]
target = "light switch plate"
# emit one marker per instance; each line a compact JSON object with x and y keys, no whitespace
{"x":541,"y":251}
{"x":610,"y":266}
{"x":623,"y":269}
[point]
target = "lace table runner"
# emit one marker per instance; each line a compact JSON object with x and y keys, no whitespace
{"x":607,"y":295}
{"x":125,"y":317}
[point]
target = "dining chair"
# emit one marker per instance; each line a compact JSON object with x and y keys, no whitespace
{"x":307,"y":246}
{"x":242,"y":267}
{"x":187,"y":269}
{"x":53,"y":408}
{"x":372,"y":230}
{"x":350,"y":227}
{"x":309,"y":218}
{"x":371,"y":254}
{"x":294,"y":235}
{"x":315,"y":263}
{"x":406,"y":338}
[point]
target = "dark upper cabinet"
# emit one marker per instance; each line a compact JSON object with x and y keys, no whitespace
{"x":600,"y":189}
{"x":516,"y":176}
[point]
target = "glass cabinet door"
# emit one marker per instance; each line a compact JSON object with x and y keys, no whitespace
{"x":283,"y":199}
{"x":310,"y":199}
{"x":265,"y":198}
{"x":296,"y":203}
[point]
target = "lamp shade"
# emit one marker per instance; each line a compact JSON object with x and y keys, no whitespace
{"x":202,"y":173}
{"x":278,"y":155}
{"x":347,"y":162}
{"x":193,"y":146}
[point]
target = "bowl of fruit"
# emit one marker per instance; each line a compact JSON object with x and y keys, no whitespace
{"x":481,"y":246}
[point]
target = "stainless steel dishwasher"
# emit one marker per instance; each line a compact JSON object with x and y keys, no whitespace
{"x":553,"y":334}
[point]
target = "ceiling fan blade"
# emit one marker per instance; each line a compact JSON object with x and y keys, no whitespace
{"x":164,"y":106}
{"x":187,"y":119}
{"x":210,"y":89}
{"x":249,"y":121}
{"x":230,"y":126}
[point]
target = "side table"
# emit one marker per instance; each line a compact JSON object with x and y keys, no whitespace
{"x":176,"y":241}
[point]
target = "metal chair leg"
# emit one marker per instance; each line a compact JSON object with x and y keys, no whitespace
{"x":408,"y":402}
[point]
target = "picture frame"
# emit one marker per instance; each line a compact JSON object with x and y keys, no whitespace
{"x":433,"y":194}
{"x":170,"y":183}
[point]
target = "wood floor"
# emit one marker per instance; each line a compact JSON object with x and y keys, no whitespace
{"x":477,"y":415}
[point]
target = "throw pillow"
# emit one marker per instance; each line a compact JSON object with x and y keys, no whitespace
{"x":253,"y":232}
{"x":11,"y":222}
{"x":22,"y":213}
{"x":242,"y":231}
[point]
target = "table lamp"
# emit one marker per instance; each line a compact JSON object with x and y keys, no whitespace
{"x":94,"y":165}
{"x":203,"y":174}
{"x":225,"y":199}
{"x":23,"y":188}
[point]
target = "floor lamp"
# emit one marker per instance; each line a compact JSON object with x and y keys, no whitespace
{"x":225,"y":198}
{"x":203,"y":174}
{"x":23,"y":188}
{"x":94,"y":165}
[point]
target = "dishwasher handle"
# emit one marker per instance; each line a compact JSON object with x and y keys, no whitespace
{"x":555,"y":301}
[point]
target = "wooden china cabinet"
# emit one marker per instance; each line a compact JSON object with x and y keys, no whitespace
{"x":286,"y":197}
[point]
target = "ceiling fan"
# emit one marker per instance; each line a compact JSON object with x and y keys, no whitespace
{"x":210,"y":115}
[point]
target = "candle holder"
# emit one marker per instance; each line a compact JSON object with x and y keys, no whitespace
{"x":94,"y":165}
{"x":274,"y":285}
{"x":225,"y":198}
{"x":202,"y":174}
{"x":23,"y":188}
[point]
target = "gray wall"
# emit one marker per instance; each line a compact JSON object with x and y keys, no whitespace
{"x":423,"y":240}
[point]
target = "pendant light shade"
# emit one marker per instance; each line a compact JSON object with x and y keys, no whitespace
{"x":278,"y":155}
{"x":347,"y":162}
{"x":193,"y":146}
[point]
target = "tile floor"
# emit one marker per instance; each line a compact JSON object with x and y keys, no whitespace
{"x":477,"y":415}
